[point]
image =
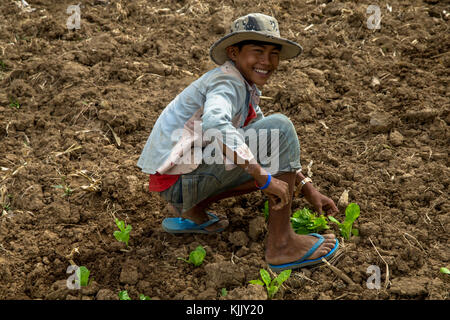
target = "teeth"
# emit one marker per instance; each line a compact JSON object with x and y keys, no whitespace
{"x":262,"y":71}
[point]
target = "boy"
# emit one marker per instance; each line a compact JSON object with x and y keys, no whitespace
{"x":211,"y":143}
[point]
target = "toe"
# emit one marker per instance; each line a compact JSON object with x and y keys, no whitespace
{"x":221,"y":224}
{"x":329,"y":236}
{"x":320,"y":252}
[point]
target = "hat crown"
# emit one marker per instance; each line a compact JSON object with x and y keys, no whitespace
{"x":256,"y":22}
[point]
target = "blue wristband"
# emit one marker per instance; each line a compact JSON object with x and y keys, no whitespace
{"x":267,"y":183}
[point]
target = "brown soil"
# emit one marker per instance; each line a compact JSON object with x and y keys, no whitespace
{"x":371,"y":108}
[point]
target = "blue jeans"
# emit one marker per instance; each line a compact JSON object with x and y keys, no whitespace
{"x":277,"y":150}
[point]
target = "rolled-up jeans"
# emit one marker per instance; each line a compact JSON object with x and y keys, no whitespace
{"x":277,"y":151}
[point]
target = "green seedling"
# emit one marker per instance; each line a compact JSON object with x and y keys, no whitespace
{"x":272,"y":285}
{"x":6,"y":207}
{"x":3,"y":66}
{"x":223,"y":292}
{"x":67,"y":190}
{"x":64,"y":186}
{"x":5,"y":204}
{"x":196,"y":257}
{"x":83,"y":275}
{"x":266,"y":209}
{"x":304,"y":221}
{"x":351,"y":214}
{"x":123,"y":234}
{"x":123,"y":295}
{"x":13,"y":103}
{"x":144,"y":297}
{"x":444,"y":270}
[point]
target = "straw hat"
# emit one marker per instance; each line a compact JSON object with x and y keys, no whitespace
{"x":254,"y":26}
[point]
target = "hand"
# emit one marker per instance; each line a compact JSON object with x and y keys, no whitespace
{"x":321,"y":203}
{"x":278,"y":189}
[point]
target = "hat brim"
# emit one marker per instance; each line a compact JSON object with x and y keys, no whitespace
{"x":217,"y":52}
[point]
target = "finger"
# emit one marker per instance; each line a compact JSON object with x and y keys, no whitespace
{"x":332,"y":209}
{"x":319,"y":210}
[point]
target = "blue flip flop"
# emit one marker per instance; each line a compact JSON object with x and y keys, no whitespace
{"x":303,"y":262}
{"x":181,"y":225}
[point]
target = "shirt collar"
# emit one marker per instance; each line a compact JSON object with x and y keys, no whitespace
{"x":251,"y":88}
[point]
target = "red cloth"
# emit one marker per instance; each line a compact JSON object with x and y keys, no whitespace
{"x":160,"y":182}
{"x":251,"y":115}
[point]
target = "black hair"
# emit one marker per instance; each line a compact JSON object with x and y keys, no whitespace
{"x":239,"y":45}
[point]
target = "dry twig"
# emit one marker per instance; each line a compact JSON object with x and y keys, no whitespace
{"x":338,"y":272}
{"x":386,"y":281}
{"x":407,"y":234}
{"x":116,"y":137}
{"x":72,"y":148}
{"x":301,"y":275}
{"x":94,"y":184}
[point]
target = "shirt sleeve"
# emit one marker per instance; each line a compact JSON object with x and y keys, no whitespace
{"x":225,"y":97}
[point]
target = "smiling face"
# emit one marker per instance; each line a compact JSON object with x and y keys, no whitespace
{"x":255,"y":61}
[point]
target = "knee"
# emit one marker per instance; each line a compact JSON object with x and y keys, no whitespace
{"x":284,"y":124}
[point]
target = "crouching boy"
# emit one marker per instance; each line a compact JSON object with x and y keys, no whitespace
{"x":213,"y":142}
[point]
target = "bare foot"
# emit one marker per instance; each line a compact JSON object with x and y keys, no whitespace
{"x":199,"y":216}
{"x":296,"y":247}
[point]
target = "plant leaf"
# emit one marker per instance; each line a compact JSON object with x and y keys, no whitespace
{"x":266,"y":209}
{"x":83,"y":275}
{"x":123,"y":295}
{"x":444,"y":270}
{"x":223,"y":292}
{"x":144,"y":297}
{"x":283,"y":276}
{"x":201,"y":250}
{"x":271,"y":291}
{"x":304,"y":221}
{"x":320,"y":224}
{"x":346,"y":229}
{"x":196,"y":257}
{"x":124,"y":234}
{"x":332,"y":219}
{"x":183,"y":259}
{"x":352,"y":212}
{"x":258,"y":282}
{"x":119,"y":224}
{"x":118,"y":235}
{"x":265,"y":277}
